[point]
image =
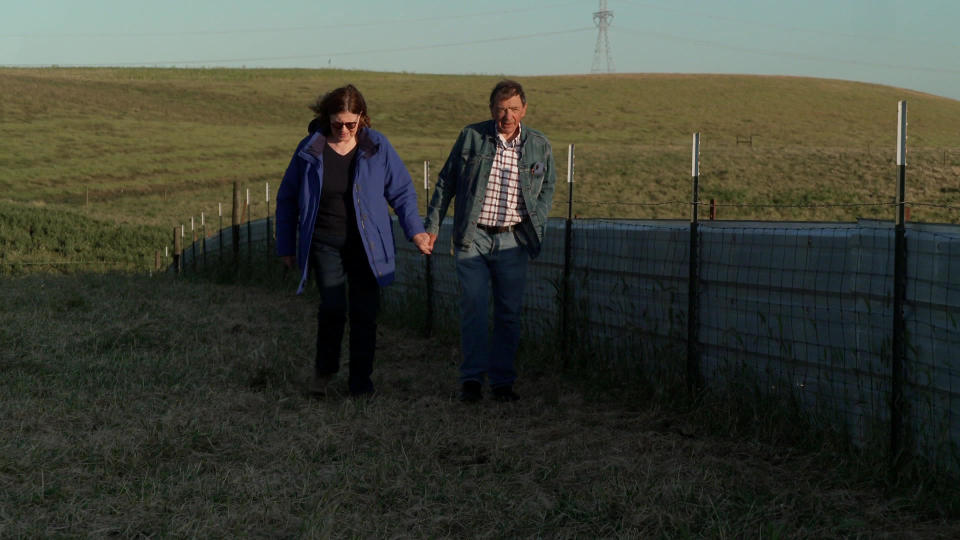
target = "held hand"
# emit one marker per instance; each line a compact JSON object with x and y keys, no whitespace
{"x":423,"y":243}
{"x":433,"y":240}
{"x":288,"y":261}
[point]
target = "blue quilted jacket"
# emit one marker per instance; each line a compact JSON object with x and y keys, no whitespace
{"x":380,"y":179}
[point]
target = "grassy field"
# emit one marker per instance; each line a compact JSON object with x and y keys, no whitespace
{"x":156,"y":407}
{"x":156,"y":146}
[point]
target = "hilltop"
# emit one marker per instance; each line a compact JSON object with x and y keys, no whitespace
{"x":154,"y":147}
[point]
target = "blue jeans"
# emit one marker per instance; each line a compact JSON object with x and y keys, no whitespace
{"x":497,"y":262}
{"x":345,"y":281}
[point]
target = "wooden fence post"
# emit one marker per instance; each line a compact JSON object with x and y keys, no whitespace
{"x":177,"y":248}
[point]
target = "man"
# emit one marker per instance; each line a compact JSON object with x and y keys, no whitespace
{"x":502,"y":175}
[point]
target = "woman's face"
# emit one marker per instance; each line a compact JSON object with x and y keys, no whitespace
{"x":344,"y":126}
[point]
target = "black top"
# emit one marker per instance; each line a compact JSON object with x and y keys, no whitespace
{"x":335,"y":212}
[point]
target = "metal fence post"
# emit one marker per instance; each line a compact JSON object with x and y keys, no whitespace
{"x":897,"y":403}
{"x":220,"y":232}
{"x":693,"y":285}
{"x":193,"y":247}
{"x":267,"y":201}
{"x":247,"y":211}
{"x":567,"y":261}
{"x":235,"y":223}
{"x":203,"y":233}
{"x":428,"y":323}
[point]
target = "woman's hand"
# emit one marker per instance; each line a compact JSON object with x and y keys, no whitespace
{"x":288,"y":261}
{"x":424,"y":243}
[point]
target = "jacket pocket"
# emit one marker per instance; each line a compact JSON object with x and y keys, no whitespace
{"x":380,"y":244}
{"x":537,"y":185}
{"x":469,"y":166}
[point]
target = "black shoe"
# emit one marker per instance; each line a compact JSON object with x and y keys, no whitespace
{"x":504,"y":394}
{"x":360,"y":387}
{"x":470,"y":392}
{"x":363,"y":394}
{"x":319,"y":384}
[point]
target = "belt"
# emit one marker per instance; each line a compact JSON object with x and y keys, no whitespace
{"x":496,"y":230}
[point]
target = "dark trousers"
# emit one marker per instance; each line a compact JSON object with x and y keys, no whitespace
{"x":347,"y":285}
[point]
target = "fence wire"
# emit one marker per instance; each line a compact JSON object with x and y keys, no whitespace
{"x":933,"y":339}
{"x":806,"y":310}
{"x":803,"y":310}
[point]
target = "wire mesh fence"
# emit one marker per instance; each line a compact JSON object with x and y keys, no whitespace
{"x":855,"y":321}
{"x":803,"y":310}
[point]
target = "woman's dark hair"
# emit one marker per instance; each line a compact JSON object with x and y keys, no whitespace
{"x":506,"y":89}
{"x":346,"y":98}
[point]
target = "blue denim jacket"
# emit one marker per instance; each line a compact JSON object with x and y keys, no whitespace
{"x":380,"y":179}
{"x":464,"y":177}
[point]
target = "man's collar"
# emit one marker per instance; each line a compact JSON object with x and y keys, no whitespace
{"x":503,"y":140}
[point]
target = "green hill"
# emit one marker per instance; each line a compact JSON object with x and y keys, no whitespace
{"x":154,"y":147}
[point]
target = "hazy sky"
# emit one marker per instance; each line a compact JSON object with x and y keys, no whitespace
{"x":907,"y":43}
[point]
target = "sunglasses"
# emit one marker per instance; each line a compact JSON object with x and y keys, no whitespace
{"x":340,"y":125}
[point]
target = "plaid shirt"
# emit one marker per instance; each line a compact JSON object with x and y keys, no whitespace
{"x":502,"y":204}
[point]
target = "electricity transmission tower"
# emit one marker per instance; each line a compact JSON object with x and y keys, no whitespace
{"x":602,"y":18}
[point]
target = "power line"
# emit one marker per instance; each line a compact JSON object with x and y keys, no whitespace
{"x":785,"y":54}
{"x":311,"y":28}
{"x":325,"y":54}
{"x":753,"y":23}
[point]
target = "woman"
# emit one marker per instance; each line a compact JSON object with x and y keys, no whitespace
{"x":332,"y":216}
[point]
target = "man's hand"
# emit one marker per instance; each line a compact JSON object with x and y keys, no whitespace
{"x":288,"y":261}
{"x":424,"y":242}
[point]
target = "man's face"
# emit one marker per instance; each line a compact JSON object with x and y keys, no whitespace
{"x":507,"y":114}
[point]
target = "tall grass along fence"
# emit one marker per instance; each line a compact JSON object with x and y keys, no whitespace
{"x":238,"y":244}
{"x":855,"y":322}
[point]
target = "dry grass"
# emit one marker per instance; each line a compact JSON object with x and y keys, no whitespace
{"x":156,"y":146}
{"x":138,"y":407}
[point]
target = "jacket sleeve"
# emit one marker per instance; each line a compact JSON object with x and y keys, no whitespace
{"x":400,"y":194}
{"x":545,"y":198}
{"x":288,"y":208}
{"x":446,"y":187}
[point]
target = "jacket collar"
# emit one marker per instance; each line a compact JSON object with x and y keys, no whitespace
{"x":366,"y":146}
{"x":492,"y":132}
